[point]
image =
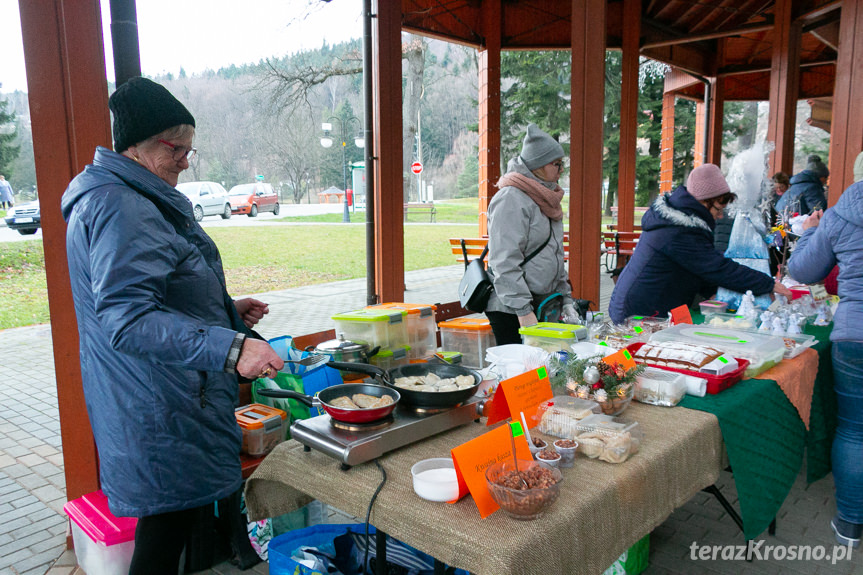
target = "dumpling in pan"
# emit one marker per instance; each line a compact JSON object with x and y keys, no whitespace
{"x":365,"y":401}
{"x":343,"y":402}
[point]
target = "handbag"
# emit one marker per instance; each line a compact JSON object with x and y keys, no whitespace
{"x":475,"y":286}
{"x":548,"y":308}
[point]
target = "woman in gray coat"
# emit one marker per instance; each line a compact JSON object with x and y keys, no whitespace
{"x":828,"y":240}
{"x":525,"y":229}
{"x":161,"y":342}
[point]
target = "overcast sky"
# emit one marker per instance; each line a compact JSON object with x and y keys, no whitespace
{"x":201,"y":34}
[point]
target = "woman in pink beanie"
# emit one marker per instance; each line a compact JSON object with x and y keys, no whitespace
{"x":675,"y":259}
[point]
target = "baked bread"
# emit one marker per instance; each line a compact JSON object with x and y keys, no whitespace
{"x":676,"y":354}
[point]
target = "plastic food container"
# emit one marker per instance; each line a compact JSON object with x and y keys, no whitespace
{"x":523,"y":504}
{"x":470,"y":336}
{"x":646,"y":325}
{"x":566,"y":448}
{"x":729,"y":320}
{"x":387,"y":358}
{"x":762,"y":351}
{"x":660,"y":387}
{"x":713,"y":306}
{"x":715,"y":383}
{"x":549,"y":456}
{"x":435,"y":479}
{"x":421,"y":327}
{"x":263,"y":428}
{"x":386,"y":328}
{"x":553,"y":336}
{"x":611,"y":439}
{"x":103,"y":543}
{"x":560,"y":415}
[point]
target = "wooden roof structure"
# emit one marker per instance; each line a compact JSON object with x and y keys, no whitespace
{"x":776,"y":50}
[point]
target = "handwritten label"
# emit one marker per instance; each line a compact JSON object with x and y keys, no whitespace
{"x":471,"y":460}
{"x":520,"y":393}
{"x":622,"y":358}
{"x":681,"y":314}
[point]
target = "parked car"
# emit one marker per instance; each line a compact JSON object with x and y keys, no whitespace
{"x":25,"y":218}
{"x":208,"y":199}
{"x":253,"y":198}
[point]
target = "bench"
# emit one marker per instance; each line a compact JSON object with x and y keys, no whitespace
{"x":429,"y":209}
{"x":617,"y":248}
{"x":474,"y":247}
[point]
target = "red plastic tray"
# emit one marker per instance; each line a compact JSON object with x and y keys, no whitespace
{"x":715,"y":383}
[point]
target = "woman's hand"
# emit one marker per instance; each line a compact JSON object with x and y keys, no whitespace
{"x":251,"y":310}
{"x":813,"y":220}
{"x":258,"y":359}
{"x":780,"y":289}
{"x":526,"y":320}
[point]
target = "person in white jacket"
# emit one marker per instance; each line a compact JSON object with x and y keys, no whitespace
{"x":525,"y":228}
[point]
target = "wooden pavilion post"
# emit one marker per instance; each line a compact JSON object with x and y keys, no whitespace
{"x":389,"y":186}
{"x":628,"y":115}
{"x":585,"y":152}
{"x":784,"y":87}
{"x":846,"y":137}
{"x":699,"y":153}
{"x":716,"y":110}
{"x":666,"y":155}
{"x":68,"y":92}
{"x":489,"y":108}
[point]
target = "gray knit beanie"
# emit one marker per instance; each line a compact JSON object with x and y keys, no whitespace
{"x":815,"y":165}
{"x":142,"y":108}
{"x":539,"y":148}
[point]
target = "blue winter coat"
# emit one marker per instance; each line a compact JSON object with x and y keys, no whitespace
{"x":837,"y":239}
{"x":807,"y":189}
{"x":155,"y":332}
{"x":675,"y":260}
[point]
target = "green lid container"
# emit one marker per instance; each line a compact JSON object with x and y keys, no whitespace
{"x":554,"y":330}
{"x":373,"y":315}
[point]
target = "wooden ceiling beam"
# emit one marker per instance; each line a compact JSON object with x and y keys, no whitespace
{"x":737,"y":70}
{"x":686,"y":39}
{"x":820,"y":11}
{"x":744,"y":13}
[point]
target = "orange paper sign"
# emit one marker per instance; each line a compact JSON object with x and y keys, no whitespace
{"x":471,"y":459}
{"x":681,"y":314}
{"x":520,"y":393}
{"x":622,"y":358}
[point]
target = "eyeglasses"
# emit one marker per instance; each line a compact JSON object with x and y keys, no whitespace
{"x":559,"y":165}
{"x":180,"y":152}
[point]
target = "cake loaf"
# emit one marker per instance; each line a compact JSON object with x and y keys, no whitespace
{"x":676,"y":354}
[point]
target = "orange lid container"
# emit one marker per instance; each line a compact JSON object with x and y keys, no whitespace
{"x":474,"y":323}
{"x":258,"y":416}
{"x":422,"y":309}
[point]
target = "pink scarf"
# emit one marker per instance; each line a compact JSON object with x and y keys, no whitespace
{"x":547,"y":200}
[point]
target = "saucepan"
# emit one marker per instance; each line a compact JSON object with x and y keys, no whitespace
{"x":346,"y":415}
{"x":420,"y":399}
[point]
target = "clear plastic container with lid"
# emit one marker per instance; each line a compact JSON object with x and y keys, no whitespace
{"x":611,"y":439}
{"x":263,"y":428}
{"x":386,"y":328}
{"x":388,"y":358}
{"x":470,"y":336}
{"x":421,"y":327}
{"x":553,"y":336}
{"x":560,"y":415}
{"x":103,"y":543}
{"x":660,"y":387}
{"x":762,"y":351}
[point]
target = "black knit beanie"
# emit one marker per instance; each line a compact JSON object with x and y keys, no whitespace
{"x":142,"y":108}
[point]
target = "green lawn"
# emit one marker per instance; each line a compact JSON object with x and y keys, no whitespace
{"x":449,"y":212}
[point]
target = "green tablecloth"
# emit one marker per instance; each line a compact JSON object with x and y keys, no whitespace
{"x":765,"y":437}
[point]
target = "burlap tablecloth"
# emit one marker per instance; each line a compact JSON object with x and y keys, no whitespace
{"x":603,"y":509}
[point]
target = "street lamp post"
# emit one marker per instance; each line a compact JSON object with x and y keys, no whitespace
{"x":327,"y":142}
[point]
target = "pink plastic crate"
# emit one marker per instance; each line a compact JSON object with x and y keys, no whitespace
{"x":103,"y":543}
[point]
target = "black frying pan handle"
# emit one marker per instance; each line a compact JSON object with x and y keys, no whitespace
{"x":365,"y":368}
{"x":286,"y":393}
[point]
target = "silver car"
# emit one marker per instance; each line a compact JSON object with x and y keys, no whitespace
{"x":208,"y":199}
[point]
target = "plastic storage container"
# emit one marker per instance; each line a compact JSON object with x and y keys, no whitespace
{"x":553,"y":336}
{"x":729,"y":321}
{"x":611,"y":439}
{"x":660,"y":387}
{"x":387,"y":358}
{"x":421,"y":327}
{"x":646,"y":325}
{"x":263,"y":428}
{"x":713,"y":306}
{"x":103,"y":543}
{"x":470,"y":336}
{"x":762,"y":351}
{"x":715,"y":383}
{"x":386,"y":328}
{"x":560,"y":415}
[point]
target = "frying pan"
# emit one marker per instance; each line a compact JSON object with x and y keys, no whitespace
{"x":325,"y":396}
{"x":421,"y":399}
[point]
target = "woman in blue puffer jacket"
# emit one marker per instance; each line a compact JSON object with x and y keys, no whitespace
{"x":161,"y":342}
{"x":837,"y":238}
{"x":675,"y":258}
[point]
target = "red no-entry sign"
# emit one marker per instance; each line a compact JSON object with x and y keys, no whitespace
{"x":417,"y":168}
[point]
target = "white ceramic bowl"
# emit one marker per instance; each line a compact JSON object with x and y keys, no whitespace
{"x":435,"y":479}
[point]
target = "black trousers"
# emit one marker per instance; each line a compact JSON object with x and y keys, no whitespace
{"x":159,"y":541}
{"x":504,"y":326}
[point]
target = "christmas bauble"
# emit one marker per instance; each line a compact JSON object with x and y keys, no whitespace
{"x":591,"y":375}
